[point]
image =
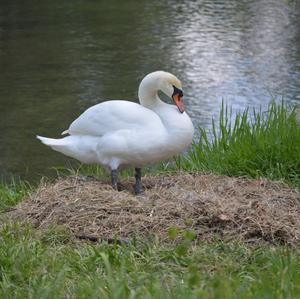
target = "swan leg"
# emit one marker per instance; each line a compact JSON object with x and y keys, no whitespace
{"x":114,"y":179}
{"x":138,"y":181}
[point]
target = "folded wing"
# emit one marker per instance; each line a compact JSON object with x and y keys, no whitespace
{"x":112,"y":116}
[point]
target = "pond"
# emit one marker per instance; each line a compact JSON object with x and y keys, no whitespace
{"x":59,"y":57}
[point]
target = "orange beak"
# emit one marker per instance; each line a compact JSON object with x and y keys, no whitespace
{"x":178,"y":102}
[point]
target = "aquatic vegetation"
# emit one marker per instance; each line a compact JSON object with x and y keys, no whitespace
{"x":251,"y":143}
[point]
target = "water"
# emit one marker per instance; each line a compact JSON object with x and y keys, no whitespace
{"x":59,"y":57}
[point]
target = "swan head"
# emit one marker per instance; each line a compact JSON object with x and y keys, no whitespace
{"x":171,"y":86}
{"x":165,"y":82}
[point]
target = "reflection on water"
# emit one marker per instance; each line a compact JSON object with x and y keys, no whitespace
{"x":59,"y":57}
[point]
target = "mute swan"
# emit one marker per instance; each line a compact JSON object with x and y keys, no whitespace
{"x":122,"y":133}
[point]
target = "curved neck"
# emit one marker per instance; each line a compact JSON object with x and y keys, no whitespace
{"x":147,"y":93}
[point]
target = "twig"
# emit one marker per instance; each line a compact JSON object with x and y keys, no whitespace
{"x":96,"y":239}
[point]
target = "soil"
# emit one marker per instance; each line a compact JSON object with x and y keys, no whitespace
{"x":211,"y":206}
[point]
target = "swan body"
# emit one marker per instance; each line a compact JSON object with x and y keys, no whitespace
{"x":121,"y":133}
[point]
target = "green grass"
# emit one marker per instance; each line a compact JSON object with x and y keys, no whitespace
{"x":256,"y":144}
{"x":13,"y":193}
{"x":49,"y":265}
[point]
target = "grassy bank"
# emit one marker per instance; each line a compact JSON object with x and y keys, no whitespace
{"x":51,"y":264}
{"x":48,"y":265}
{"x":11,"y":194}
{"x":253,"y":143}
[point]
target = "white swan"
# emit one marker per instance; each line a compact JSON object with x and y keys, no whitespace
{"x":122,"y":133}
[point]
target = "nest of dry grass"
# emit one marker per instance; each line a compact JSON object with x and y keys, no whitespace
{"x":226,"y":207}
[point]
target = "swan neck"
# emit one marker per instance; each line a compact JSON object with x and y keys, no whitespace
{"x":148,"y":92}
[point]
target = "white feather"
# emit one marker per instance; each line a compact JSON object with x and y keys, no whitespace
{"x":122,"y":133}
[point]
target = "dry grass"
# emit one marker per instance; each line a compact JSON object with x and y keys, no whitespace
{"x":211,"y":206}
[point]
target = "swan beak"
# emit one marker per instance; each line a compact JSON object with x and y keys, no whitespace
{"x":178,"y":102}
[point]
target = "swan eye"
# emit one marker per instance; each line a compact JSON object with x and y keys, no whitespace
{"x":177,"y":91}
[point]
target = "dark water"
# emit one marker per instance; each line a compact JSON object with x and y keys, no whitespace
{"x":59,"y":57}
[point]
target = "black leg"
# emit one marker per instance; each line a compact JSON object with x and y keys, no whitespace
{"x":114,"y":179}
{"x":138,"y":181}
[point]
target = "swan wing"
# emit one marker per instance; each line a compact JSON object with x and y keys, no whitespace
{"x":113,"y":116}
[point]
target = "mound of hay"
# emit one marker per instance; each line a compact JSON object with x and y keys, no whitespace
{"x":226,"y":207}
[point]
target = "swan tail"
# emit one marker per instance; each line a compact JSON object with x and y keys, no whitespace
{"x":77,"y":147}
{"x":51,"y":141}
